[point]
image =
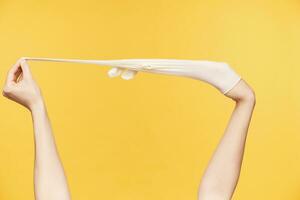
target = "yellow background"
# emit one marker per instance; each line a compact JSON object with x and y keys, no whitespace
{"x":151,"y":138}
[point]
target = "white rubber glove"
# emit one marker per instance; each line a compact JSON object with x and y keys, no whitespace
{"x":218,"y":74}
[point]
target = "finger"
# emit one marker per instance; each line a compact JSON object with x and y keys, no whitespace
{"x":128,"y":74}
{"x":13,"y":71}
{"x":114,"y":72}
{"x":25,"y":68}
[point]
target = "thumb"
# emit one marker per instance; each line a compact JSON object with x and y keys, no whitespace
{"x":26,"y":69}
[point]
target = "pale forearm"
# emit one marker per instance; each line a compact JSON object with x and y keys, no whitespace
{"x":50,"y":181}
{"x":222,"y":173}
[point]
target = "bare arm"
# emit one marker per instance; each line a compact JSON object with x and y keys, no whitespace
{"x":222,"y":174}
{"x":50,"y":182}
{"x":49,"y":177}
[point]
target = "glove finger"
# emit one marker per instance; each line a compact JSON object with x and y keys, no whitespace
{"x":114,"y":72}
{"x":128,"y":74}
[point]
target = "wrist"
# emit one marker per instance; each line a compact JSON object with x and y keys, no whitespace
{"x":37,"y":107}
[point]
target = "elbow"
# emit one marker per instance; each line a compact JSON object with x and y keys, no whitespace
{"x":243,"y":93}
{"x":249,"y":96}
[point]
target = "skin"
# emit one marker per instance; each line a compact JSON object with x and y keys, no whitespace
{"x":222,"y":174}
{"x":50,"y":183}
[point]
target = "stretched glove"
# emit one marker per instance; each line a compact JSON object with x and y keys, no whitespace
{"x":218,"y":74}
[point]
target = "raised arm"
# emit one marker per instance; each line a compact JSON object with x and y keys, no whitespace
{"x":222,"y":174}
{"x":50,"y":182}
